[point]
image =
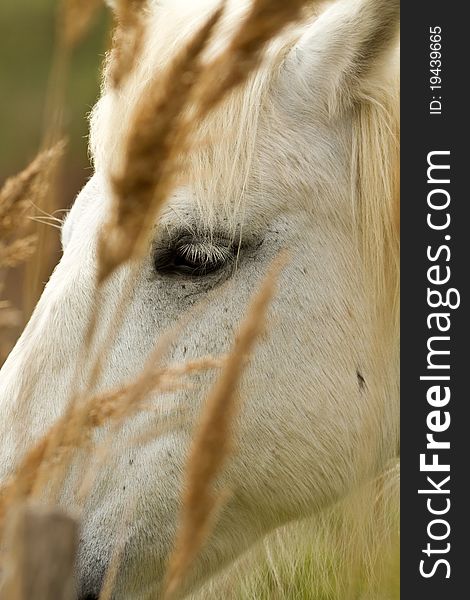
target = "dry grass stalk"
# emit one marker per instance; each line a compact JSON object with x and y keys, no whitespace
{"x":42,"y":546}
{"x":17,"y":251}
{"x":243,"y":55}
{"x":75,"y":19}
{"x":80,"y":394}
{"x":44,"y":172}
{"x":9,"y":316}
{"x":16,"y":244}
{"x":212,"y":441}
{"x":18,"y":192}
{"x":123,"y":402}
{"x":128,"y":37}
{"x":148,"y":173}
{"x":111,"y":407}
{"x":168,"y":382}
{"x":160,"y":134}
{"x":114,"y":407}
{"x":73,"y":430}
{"x":73,"y":22}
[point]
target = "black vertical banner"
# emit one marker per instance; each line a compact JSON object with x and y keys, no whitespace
{"x":435,"y":202}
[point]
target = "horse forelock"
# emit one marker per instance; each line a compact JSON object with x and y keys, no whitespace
{"x":224,"y":143}
{"x":222,"y":159}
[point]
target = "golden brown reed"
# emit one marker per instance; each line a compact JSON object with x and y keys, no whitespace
{"x":74,"y":430}
{"x":244,"y":53}
{"x":121,"y":403}
{"x":160,"y":133}
{"x":17,"y":244}
{"x":84,"y":384}
{"x":43,"y":195}
{"x":168,"y":382}
{"x":114,"y":406}
{"x":212,"y":442}
{"x":17,"y":251}
{"x":155,"y":136}
{"x":9,"y":317}
{"x":75,"y":19}
{"x":127,"y":39}
{"x":19,"y":191}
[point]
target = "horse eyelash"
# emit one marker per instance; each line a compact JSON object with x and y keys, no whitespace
{"x":205,"y":252}
{"x":203,"y":256}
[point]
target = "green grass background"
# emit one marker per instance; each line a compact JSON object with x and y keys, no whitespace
{"x":27,"y":37}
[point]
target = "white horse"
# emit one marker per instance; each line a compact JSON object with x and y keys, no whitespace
{"x":303,"y":157}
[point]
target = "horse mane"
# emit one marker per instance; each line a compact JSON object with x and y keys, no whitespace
{"x":219,"y":182}
{"x":230,"y":129}
{"x":375,"y":191}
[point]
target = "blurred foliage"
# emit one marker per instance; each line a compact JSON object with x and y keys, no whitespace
{"x":27,"y":45}
{"x":27,"y":39}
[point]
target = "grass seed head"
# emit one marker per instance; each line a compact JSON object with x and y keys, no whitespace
{"x":127,"y":39}
{"x":212,"y":443}
{"x":158,"y":134}
{"x":75,"y":19}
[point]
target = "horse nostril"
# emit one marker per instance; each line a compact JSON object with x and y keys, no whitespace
{"x":89,"y":597}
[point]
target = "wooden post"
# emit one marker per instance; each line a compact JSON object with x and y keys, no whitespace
{"x":40,"y":555}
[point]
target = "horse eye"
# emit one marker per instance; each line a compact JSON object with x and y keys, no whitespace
{"x":193,"y":258}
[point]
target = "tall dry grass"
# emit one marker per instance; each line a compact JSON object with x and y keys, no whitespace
{"x":73,"y":21}
{"x":17,"y":242}
{"x":157,"y":136}
{"x":161,"y":128}
{"x":160,"y":137}
{"x":128,"y":38}
{"x":160,"y":134}
{"x":213,"y":442}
